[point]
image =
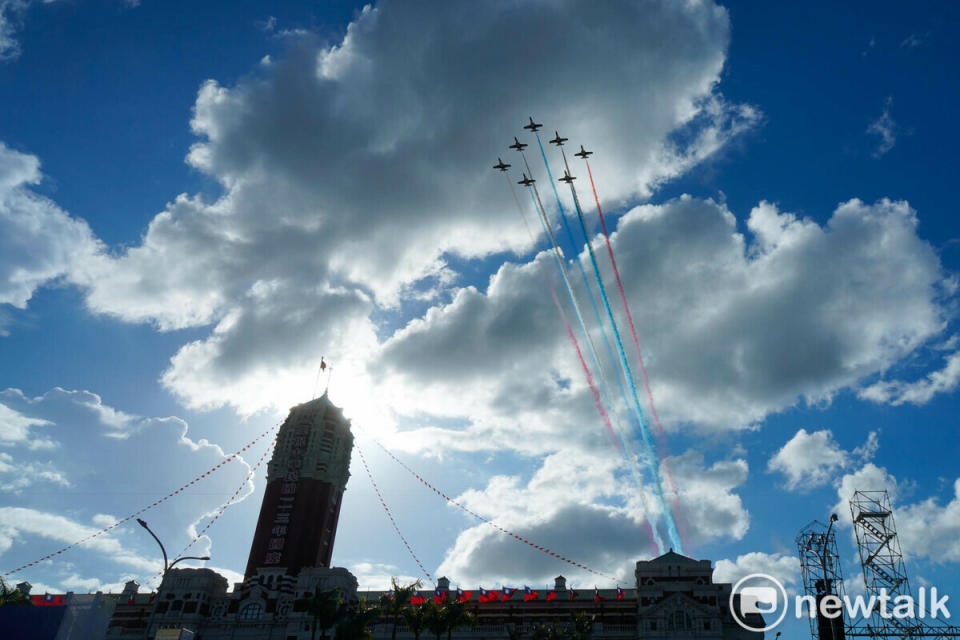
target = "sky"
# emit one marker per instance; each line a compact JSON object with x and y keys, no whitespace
{"x":198,"y":201}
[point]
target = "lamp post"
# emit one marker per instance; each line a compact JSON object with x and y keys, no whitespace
{"x":167,"y":566}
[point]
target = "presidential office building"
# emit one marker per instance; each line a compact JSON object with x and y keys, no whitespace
{"x":291,"y":554}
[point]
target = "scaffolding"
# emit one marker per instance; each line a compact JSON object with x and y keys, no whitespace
{"x":821,"y":575}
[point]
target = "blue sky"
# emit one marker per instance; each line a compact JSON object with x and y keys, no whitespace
{"x":197,"y":201}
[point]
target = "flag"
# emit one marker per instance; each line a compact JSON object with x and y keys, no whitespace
{"x":619,"y":593}
{"x":439,"y":596}
{"x":488,"y":596}
{"x":529,"y":594}
{"x":417,"y":598}
{"x":48,"y":600}
{"x":464,"y":596}
{"x":323,"y":365}
{"x":596,"y":595}
{"x":551,"y":595}
{"x":507,"y":593}
{"x":573,"y":594}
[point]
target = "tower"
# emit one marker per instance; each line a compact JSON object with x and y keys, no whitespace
{"x":306,"y":478}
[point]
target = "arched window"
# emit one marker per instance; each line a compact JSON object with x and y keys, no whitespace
{"x":253,"y":611}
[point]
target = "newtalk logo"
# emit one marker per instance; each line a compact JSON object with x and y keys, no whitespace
{"x":764,"y":595}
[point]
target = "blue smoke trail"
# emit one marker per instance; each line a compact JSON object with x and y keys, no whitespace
{"x":644,"y":431}
{"x":628,"y":450}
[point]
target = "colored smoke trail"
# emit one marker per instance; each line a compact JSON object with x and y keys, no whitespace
{"x":652,"y":462}
{"x":661,"y":436}
{"x":630,"y":457}
{"x":566,"y":324}
{"x":628,"y":454}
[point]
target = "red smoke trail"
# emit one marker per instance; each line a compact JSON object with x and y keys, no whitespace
{"x":573,"y":337}
{"x":661,"y":437}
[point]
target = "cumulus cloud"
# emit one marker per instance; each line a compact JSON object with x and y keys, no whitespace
{"x":353,"y":172}
{"x":576,"y":505}
{"x":38,"y":241}
{"x":918,"y":392}
{"x":732,"y":329}
{"x":809,"y":459}
{"x":113,"y":469}
{"x":784,"y":568}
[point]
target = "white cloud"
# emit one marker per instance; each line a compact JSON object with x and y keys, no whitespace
{"x":785,"y":568}
{"x":576,"y":506}
{"x":112,"y":470}
{"x":886,"y":128}
{"x":38,"y":241}
{"x":919,"y":392}
{"x":738,"y":330}
{"x":809,"y":459}
{"x":301,"y":247}
{"x":15,"y":427}
{"x":926,"y":529}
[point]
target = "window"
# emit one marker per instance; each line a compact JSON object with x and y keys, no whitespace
{"x":253,"y":611}
{"x":679,"y":621}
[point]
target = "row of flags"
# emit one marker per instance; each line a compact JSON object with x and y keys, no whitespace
{"x":501,"y":595}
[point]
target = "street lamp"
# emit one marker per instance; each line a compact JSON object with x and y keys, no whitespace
{"x":167,"y":566}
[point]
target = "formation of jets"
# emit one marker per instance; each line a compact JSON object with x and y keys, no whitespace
{"x":557,"y":140}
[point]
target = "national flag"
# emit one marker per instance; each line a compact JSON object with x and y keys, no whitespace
{"x":488,"y":596}
{"x":48,"y":600}
{"x":417,"y":598}
{"x":551,"y":595}
{"x":529,"y":594}
{"x":573,"y":594}
{"x":464,"y":596}
{"x":439,"y":596}
{"x":596,"y":595}
{"x":507,"y":592}
{"x":619,"y":593}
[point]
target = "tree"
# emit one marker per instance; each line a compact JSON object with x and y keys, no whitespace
{"x":435,"y":619}
{"x":356,"y":622}
{"x":456,"y":616}
{"x":415,"y":616}
{"x":12,"y":596}
{"x":398,"y":602}
{"x":327,"y":609}
{"x":582,"y":625}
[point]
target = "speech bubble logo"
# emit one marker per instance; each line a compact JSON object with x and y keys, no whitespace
{"x":763,"y":596}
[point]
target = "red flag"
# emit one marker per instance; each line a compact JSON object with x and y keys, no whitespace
{"x":573,"y":594}
{"x":417,"y":599}
{"x":464,"y":596}
{"x":529,"y":594}
{"x":596,"y":595}
{"x":489,"y":596}
{"x":48,"y":600}
{"x":551,"y":595}
{"x":439,"y":596}
{"x":619,"y":593}
{"x":507,"y":593}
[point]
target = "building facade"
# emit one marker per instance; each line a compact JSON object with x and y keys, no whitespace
{"x":290,"y":557}
{"x":306,"y":478}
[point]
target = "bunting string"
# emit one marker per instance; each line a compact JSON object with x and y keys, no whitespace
{"x":488,"y":521}
{"x":228,"y":459}
{"x":229,"y":503}
{"x":393,"y":521}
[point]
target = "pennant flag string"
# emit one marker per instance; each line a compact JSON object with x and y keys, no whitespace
{"x":202,"y":476}
{"x":487,"y":520}
{"x":393,"y":521}
{"x":229,"y":503}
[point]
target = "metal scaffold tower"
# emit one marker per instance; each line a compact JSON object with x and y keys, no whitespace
{"x":884,"y":574}
{"x":821,"y":575}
